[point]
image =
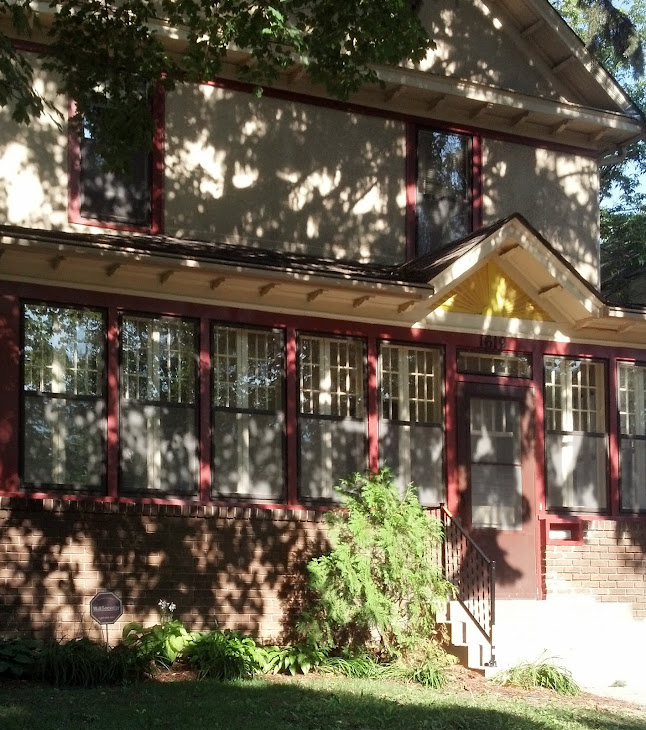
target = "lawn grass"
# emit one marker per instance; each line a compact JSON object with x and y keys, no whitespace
{"x":312,"y":703}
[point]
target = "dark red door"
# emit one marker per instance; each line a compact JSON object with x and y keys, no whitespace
{"x":496,"y":453}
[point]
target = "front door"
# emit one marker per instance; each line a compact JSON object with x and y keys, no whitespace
{"x":496,"y":450}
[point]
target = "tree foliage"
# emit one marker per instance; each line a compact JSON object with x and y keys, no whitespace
{"x":383,"y":574}
{"x":107,"y":54}
{"x":623,"y":254}
{"x":616,"y":37}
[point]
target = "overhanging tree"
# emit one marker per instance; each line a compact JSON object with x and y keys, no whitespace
{"x":107,"y":54}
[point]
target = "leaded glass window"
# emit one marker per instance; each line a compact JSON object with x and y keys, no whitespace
{"x":576,"y":440}
{"x":248,"y":412}
{"x":63,"y":396}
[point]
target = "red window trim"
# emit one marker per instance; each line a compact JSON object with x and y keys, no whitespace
{"x":13,"y":293}
{"x":74,"y":215}
{"x":475,"y":150}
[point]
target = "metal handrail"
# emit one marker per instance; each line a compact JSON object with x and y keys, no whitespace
{"x":473,"y":574}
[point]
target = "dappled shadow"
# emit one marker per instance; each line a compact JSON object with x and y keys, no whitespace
{"x":241,"y":568}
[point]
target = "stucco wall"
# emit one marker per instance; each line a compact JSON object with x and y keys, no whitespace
{"x":284,"y":175}
{"x":243,"y":568}
{"x":473,"y":43}
{"x":557,"y":192}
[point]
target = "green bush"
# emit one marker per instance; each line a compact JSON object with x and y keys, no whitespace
{"x":18,"y":657}
{"x":299,"y":659}
{"x":160,"y":644}
{"x":85,"y":663}
{"x":381,"y":581}
{"x":529,"y":675}
{"x":224,"y":655}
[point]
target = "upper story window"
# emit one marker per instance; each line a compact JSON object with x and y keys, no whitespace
{"x":411,"y":427}
{"x":444,"y":200}
{"x":129,"y":200}
{"x":332,"y":414}
{"x":631,"y":387}
{"x":248,"y":412}
{"x":63,"y":397}
{"x":576,"y":448}
{"x":158,"y":415}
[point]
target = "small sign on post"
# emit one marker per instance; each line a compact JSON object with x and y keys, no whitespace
{"x":106,"y":607}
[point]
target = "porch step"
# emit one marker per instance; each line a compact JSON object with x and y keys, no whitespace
{"x":464,"y":638}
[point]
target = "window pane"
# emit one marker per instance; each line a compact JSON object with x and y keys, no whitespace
{"x":63,"y":383}
{"x":248,"y":422}
{"x":331,"y":377}
{"x":633,"y":474}
{"x":64,"y":441}
{"x":443,"y":189}
{"x":158,"y":414}
{"x":248,"y":454}
{"x":507,"y":364}
{"x":63,"y":350}
{"x":576,"y":471}
{"x":333,"y":438}
{"x":158,"y":449}
{"x":330,"y":450}
{"x":414,"y":453}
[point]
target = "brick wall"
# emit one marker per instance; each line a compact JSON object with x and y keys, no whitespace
{"x":241,"y":567}
{"x":610,"y":565}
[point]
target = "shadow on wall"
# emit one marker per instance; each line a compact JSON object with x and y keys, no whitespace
{"x":284,"y":175}
{"x":33,"y":167}
{"x":556,"y":191}
{"x":240,"y":567}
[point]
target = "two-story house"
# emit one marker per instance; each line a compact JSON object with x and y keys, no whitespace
{"x":289,"y":289}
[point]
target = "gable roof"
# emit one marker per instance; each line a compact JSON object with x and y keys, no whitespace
{"x":585,"y":107}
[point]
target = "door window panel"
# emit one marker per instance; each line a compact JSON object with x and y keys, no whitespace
{"x":496,"y":471}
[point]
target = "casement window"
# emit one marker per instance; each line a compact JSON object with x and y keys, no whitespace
{"x":117,"y":198}
{"x":631,"y":386}
{"x":444,"y":204}
{"x":411,"y":430}
{"x":248,"y":368}
{"x":127,"y":200}
{"x":63,"y":397}
{"x":158,"y":413}
{"x":576,"y":441}
{"x":332,"y":415}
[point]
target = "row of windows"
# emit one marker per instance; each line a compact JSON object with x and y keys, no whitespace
{"x":443,"y":202}
{"x":64,"y":409}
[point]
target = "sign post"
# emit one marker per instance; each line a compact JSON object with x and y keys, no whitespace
{"x":105,"y":608}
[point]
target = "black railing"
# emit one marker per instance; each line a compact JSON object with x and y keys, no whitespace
{"x":471,"y":572}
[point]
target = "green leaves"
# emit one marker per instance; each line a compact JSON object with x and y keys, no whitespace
{"x":105,"y":53}
{"x":382,"y":575}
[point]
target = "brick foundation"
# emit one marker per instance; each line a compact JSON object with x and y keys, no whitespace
{"x":241,"y":567}
{"x":610,"y":565}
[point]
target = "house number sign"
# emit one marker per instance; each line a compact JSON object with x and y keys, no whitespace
{"x":492,"y":343}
